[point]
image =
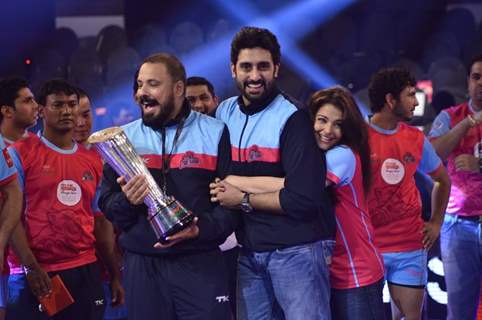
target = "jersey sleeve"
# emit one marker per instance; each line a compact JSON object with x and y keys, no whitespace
{"x":441,"y":125}
{"x":114,"y":204}
{"x":219,"y":223}
{"x":8,"y":170}
{"x":17,"y":164}
{"x":224,"y":154}
{"x":304,"y":194}
{"x":95,"y":203}
{"x":430,"y":160}
{"x":340,"y":165}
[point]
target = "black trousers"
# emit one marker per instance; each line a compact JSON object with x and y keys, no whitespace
{"x":231,"y":260}
{"x":181,"y":287}
{"x":84,"y":284}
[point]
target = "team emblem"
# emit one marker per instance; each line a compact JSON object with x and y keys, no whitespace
{"x":254,"y":153}
{"x":408,"y":158}
{"x":87,"y":176}
{"x":189,"y":160}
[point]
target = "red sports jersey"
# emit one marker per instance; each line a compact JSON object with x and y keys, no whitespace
{"x":394,"y":201}
{"x":59,"y":191}
{"x":356,"y":260}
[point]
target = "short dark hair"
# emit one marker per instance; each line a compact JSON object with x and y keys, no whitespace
{"x":135,"y":86}
{"x":81,"y":93}
{"x":173,"y":65}
{"x":385,"y":81}
{"x":9,"y":88}
{"x":474,"y":60}
{"x":55,"y":86}
{"x":253,"y":37}
{"x":200,"y":81}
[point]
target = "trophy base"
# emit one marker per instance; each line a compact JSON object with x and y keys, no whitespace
{"x":176,"y":228}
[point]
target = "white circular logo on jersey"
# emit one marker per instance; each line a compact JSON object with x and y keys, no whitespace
{"x":392,"y":171}
{"x":69,"y":192}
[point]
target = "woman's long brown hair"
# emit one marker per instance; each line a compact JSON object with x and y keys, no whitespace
{"x":354,"y":128}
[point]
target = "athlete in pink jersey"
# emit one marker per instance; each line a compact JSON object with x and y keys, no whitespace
{"x":397,"y":151}
{"x":356,"y":271}
{"x":60,"y":180}
{"x":18,"y":111}
{"x":457,"y":137}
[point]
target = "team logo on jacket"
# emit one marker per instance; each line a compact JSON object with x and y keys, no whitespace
{"x":254,"y":153}
{"x":189,"y":160}
{"x":87,"y":176}
{"x":69,"y":192}
{"x":392,"y":171}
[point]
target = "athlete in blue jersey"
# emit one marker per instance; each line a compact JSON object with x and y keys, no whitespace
{"x":10,"y":207}
{"x":13,"y":93}
{"x":184,"y":150}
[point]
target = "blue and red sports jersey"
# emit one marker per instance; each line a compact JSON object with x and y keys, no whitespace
{"x":7,"y":168}
{"x":59,"y":191}
{"x":200,"y":154}
{"x":9,"y":142}
{"x":394,"y":201}
{"x":356,"y":260}
{"x":465,"y":194}
{"x":7,"y":174}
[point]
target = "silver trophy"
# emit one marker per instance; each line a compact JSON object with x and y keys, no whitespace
{"x":165,"y":214}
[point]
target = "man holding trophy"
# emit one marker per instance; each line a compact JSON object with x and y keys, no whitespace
{"x":170,"y":230}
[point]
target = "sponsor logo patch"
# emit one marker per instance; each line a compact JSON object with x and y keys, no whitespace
{"x":69,"y":192}
{"x":392,"y":171}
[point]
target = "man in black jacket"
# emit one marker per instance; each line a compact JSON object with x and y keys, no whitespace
{"x":184,"y":151}
{"x":286,"y":235}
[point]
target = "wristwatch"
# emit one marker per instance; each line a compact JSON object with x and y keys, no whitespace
{"x":246,"y":207}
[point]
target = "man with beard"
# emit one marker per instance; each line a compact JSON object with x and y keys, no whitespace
{"x":457,"y":137}
{"x":286,"y":236}
{"x":186,"y":277}
{"x":60,"y":179}
{"x":397,"y":152}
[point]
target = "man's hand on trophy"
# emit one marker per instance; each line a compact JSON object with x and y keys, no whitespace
{"x":190,"y":232}
{"x":135,"y":190}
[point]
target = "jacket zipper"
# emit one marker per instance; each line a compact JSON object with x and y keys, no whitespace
{"x":241,"y":138}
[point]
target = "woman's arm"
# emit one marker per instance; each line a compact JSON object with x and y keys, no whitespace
{"x":260,"y":184}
